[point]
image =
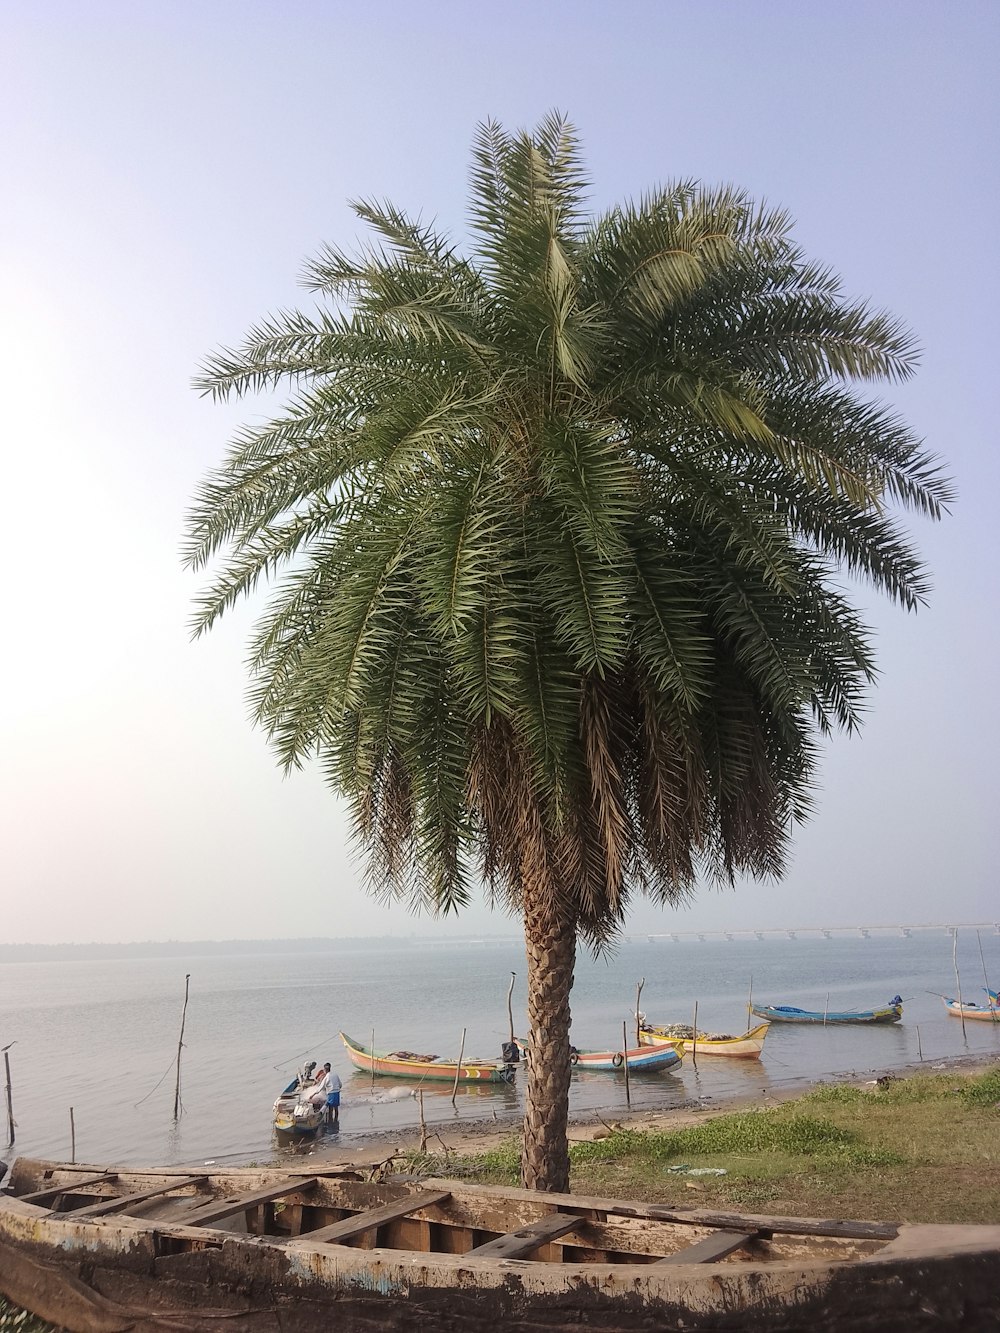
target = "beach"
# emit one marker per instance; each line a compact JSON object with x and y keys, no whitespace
{"x":470,"y":1139}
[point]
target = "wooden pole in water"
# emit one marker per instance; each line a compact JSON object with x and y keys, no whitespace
{"x":750,"y":1004}
{"x":10,"y":1103}
{"x":510,"y":1011}
{"x":423,"y":1123}
{"x":986,"y":981}
{"x":958,"y":979}
{"x":458,"y":1069}
{"x":638,"y":993}
{"x":72,"y":1137}
{"x":694,"y":1035}
{"x":628,"y":1094}
{"x":372,"y":1049}
{"x":920,"y":1054}
{"x":827,"y":1008}
{"x":180,"y":1045}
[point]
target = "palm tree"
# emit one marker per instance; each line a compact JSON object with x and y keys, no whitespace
{"x":556,"y":530}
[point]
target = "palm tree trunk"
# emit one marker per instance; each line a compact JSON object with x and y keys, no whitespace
{"x":550,"y":940}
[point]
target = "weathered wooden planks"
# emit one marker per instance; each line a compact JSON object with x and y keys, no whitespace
{"x":123,"y":1202}
{"x":516,"y":1244}
{"x":715,"y":1247}
{"x":219,"y":1209}
{"x":104,"y":1178}
{"x":349,"y":1227}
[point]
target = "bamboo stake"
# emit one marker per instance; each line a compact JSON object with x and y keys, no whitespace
{"x":72,"y":1137}
{"x":638,"y":993}
{"x":826,"y":1009}
{"x":986,"y":980}
{"x":958,"y":980}
{"x":628,"y":1094}
{"x":372,"y":1049}
{"x":180,"y":1044}
{"x":510,"y":1011}
{"x":694,"y":1036}
{"x":920,"y":1054}
{"x":10,"y":1103}
{"x":750,"y":1004}
{"x":423,"y":1123}
{"x":458,"y":1069}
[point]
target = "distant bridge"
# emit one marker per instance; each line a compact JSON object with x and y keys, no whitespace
{"x":824,"y":932}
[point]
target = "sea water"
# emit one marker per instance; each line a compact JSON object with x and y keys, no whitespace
{"x":101,"y":1036}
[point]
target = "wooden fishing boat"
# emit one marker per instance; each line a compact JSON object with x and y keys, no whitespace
{"x":747,"y":1046}
{"x":294,"y":1112}
{"x":408,"y":1064}
{"x":786,"y":1013}
{"x":108,"y":1249}
{"x":641,"y":1059}
{"x":983,"y":1012}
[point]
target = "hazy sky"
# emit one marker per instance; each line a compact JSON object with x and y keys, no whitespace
{"x":166,"y":168}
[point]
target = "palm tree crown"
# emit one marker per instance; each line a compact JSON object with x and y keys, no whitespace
{"x":557,"y":529}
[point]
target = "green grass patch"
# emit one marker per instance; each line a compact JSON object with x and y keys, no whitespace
{"x":923,"y":1149}
{"x":982,"y":1091}
{"x":750,"y":1134}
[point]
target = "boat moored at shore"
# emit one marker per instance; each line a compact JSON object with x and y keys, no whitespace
{"x":638,"y":1060}
{"x":965,"y":1009}
{"x":745,"y":1046}
{"x":409,"y":1064}
{"x":787,"y":1013}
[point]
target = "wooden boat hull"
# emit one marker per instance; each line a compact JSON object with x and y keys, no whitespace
{"x":641,"y":1059}
{"x":971,"y":1011}
{"x":298,"y":1126}
{"x":385,"y":1065}
{"x":294,"y":1114}
{"x":435,"y":1254}
{"x":748,"y":1046}
{"x":788,"y":1014}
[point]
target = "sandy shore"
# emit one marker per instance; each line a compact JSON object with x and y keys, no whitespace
{"x":481,"y":1136}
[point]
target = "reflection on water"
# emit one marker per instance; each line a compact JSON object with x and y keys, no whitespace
{"x":111,"y":1029}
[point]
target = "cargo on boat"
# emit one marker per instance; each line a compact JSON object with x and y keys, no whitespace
{"x":744,"y":1046}
{"x":116,"y":1249}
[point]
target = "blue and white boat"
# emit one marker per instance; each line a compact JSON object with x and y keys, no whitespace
{"x":787,"y":1013}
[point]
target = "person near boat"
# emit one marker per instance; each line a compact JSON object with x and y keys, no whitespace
{"x":327,"y":1093}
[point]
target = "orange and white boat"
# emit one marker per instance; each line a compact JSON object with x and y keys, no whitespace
{"x":408,"y":1064}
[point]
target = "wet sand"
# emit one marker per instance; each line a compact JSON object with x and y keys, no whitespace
{"x":482,"y":1136}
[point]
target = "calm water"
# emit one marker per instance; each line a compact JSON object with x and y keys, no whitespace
{"x":101,"y":1036}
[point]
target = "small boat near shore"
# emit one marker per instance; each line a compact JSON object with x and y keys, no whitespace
{"x":787,"y":1013}
{"x":965,"y":1009}
{"x":640,"y":1059}
{"x":294,"y":1112}
{"x":409,"y":1064}
{"x":104,"y":1249}
{"x":746,"y":1046}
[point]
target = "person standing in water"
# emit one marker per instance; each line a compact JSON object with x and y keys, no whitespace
{"x":327,"y":1091}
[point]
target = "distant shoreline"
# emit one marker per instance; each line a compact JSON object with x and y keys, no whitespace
{"x":104,"y":951}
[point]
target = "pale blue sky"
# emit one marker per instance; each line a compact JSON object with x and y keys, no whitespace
{"x":167,"y":167}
